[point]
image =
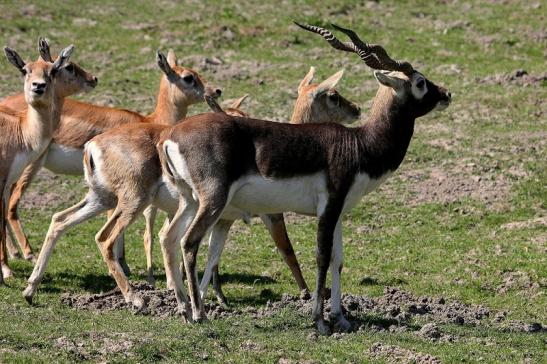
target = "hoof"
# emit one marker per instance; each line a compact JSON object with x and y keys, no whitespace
{"x":199,"y":317}
{"x":151,"y":280}
{"x":322,"y":328}
{"x":6,"y":271}
{"x":305,"y":294}
{"x":28,"y":293}
{"x":185,"y":312}
{"x":137,"y":302}
{"x":342,"y":325}
{"x":31,"y":258}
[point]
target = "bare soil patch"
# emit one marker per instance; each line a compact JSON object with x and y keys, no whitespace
{"x":392,"y":311}
{"x":519,"y":77}
{"x":97,"y":346}
{"x":396,"y":354}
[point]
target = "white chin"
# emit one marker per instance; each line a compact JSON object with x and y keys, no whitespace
{"x":441,"y":106}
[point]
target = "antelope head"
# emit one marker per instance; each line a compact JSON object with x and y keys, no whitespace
{"x":72,"y":78}
{"x":40,"y":76}
{"x":321,"y":103}
{"x":184,"y":85}
{"x":410,"y":88}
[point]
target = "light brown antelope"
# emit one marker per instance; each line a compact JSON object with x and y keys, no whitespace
{"x":222,"y":163}
{"x":180,"y":88}
{"x":131,"y":187}
{"x":24,"y":136}
{"x":71,"y":77}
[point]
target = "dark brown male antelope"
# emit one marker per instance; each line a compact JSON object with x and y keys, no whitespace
{"x":222,"y":163}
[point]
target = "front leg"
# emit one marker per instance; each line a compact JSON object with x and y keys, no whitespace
{"x":340,"y":322}
{"x":329,"y":211}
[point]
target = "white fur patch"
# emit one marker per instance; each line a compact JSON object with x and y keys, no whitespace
{"x":418,"y":93}
{"x":261,"y":195}
{"x":64,"y":160}
{"x":95,"y":177}
{"x":178,"y":165}
{"x":361,"y":186}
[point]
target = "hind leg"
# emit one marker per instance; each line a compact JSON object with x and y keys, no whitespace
{"x":170,"y":236}
{"x":119,"y":249}
{"x":278,"y":231}
{"x":149,"y":218}
{"x":84,"y":210}
{"x":210,"y":209}
{"x":217,"y":240}
{"x":106,"y":240}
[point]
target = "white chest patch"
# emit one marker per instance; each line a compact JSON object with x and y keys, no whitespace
{"x":20,"y":162}
{"x":260,"y":195}
{"x":64,"y":160}
{"x":361,"y":186}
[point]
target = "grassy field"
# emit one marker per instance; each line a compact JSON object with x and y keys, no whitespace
{"x":464,"y":218}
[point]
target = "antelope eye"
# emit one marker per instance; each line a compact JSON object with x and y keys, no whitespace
{"x":69,"y":68}
{"x":420,"y":84}
{"x":334,"y":96}
{"x":188,"y":78}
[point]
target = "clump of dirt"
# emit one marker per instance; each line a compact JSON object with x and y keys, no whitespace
{"x":96,"y":345}
{"x":396,"y":354}
{"x":517,"y":280}
{"x":517,"y":77}
{"x":441,"y":186}
{"x":159,"y":303}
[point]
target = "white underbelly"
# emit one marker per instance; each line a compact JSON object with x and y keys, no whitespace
{"x":260,"y":195}
{"x":167,"y":199}
{"x":64,"y":160}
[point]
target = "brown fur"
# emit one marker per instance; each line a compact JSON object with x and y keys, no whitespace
{"x":219,"y":150}
{"x":80,"y":122}
{"x":29,"y":132}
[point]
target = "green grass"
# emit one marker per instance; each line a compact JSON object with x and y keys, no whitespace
{"x":457,"y":249}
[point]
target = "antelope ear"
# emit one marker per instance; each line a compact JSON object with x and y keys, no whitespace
{"x":329,"y":83}
{"x":172,"y":58}
{"x":64,"y":56}
{"x":163,"y":64}
{"x":306,"y":81}
{"x":237,"y":103}
{"x":14,"y":58}
{"x":389,"y":81}
{"x":43,"y":49}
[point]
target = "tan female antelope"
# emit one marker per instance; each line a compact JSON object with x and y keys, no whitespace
{"x":179,"y":88}
{"x":131,"y":187}
{"x":25,"y":135}
{"x":223,"y":163}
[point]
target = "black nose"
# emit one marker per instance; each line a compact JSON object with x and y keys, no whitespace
{"x":38,"y":85}
{"x":218,"y":92}
{"x":95,"y":80}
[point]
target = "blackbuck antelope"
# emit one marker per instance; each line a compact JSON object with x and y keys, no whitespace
{"x":131,"y":187}
{"x":25,"y":135}
{"x":316,"y":102}
{"x":223,"y":163}
{"x":179,"y":88}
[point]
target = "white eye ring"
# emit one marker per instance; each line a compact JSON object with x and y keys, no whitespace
{"x":421,"y":83}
